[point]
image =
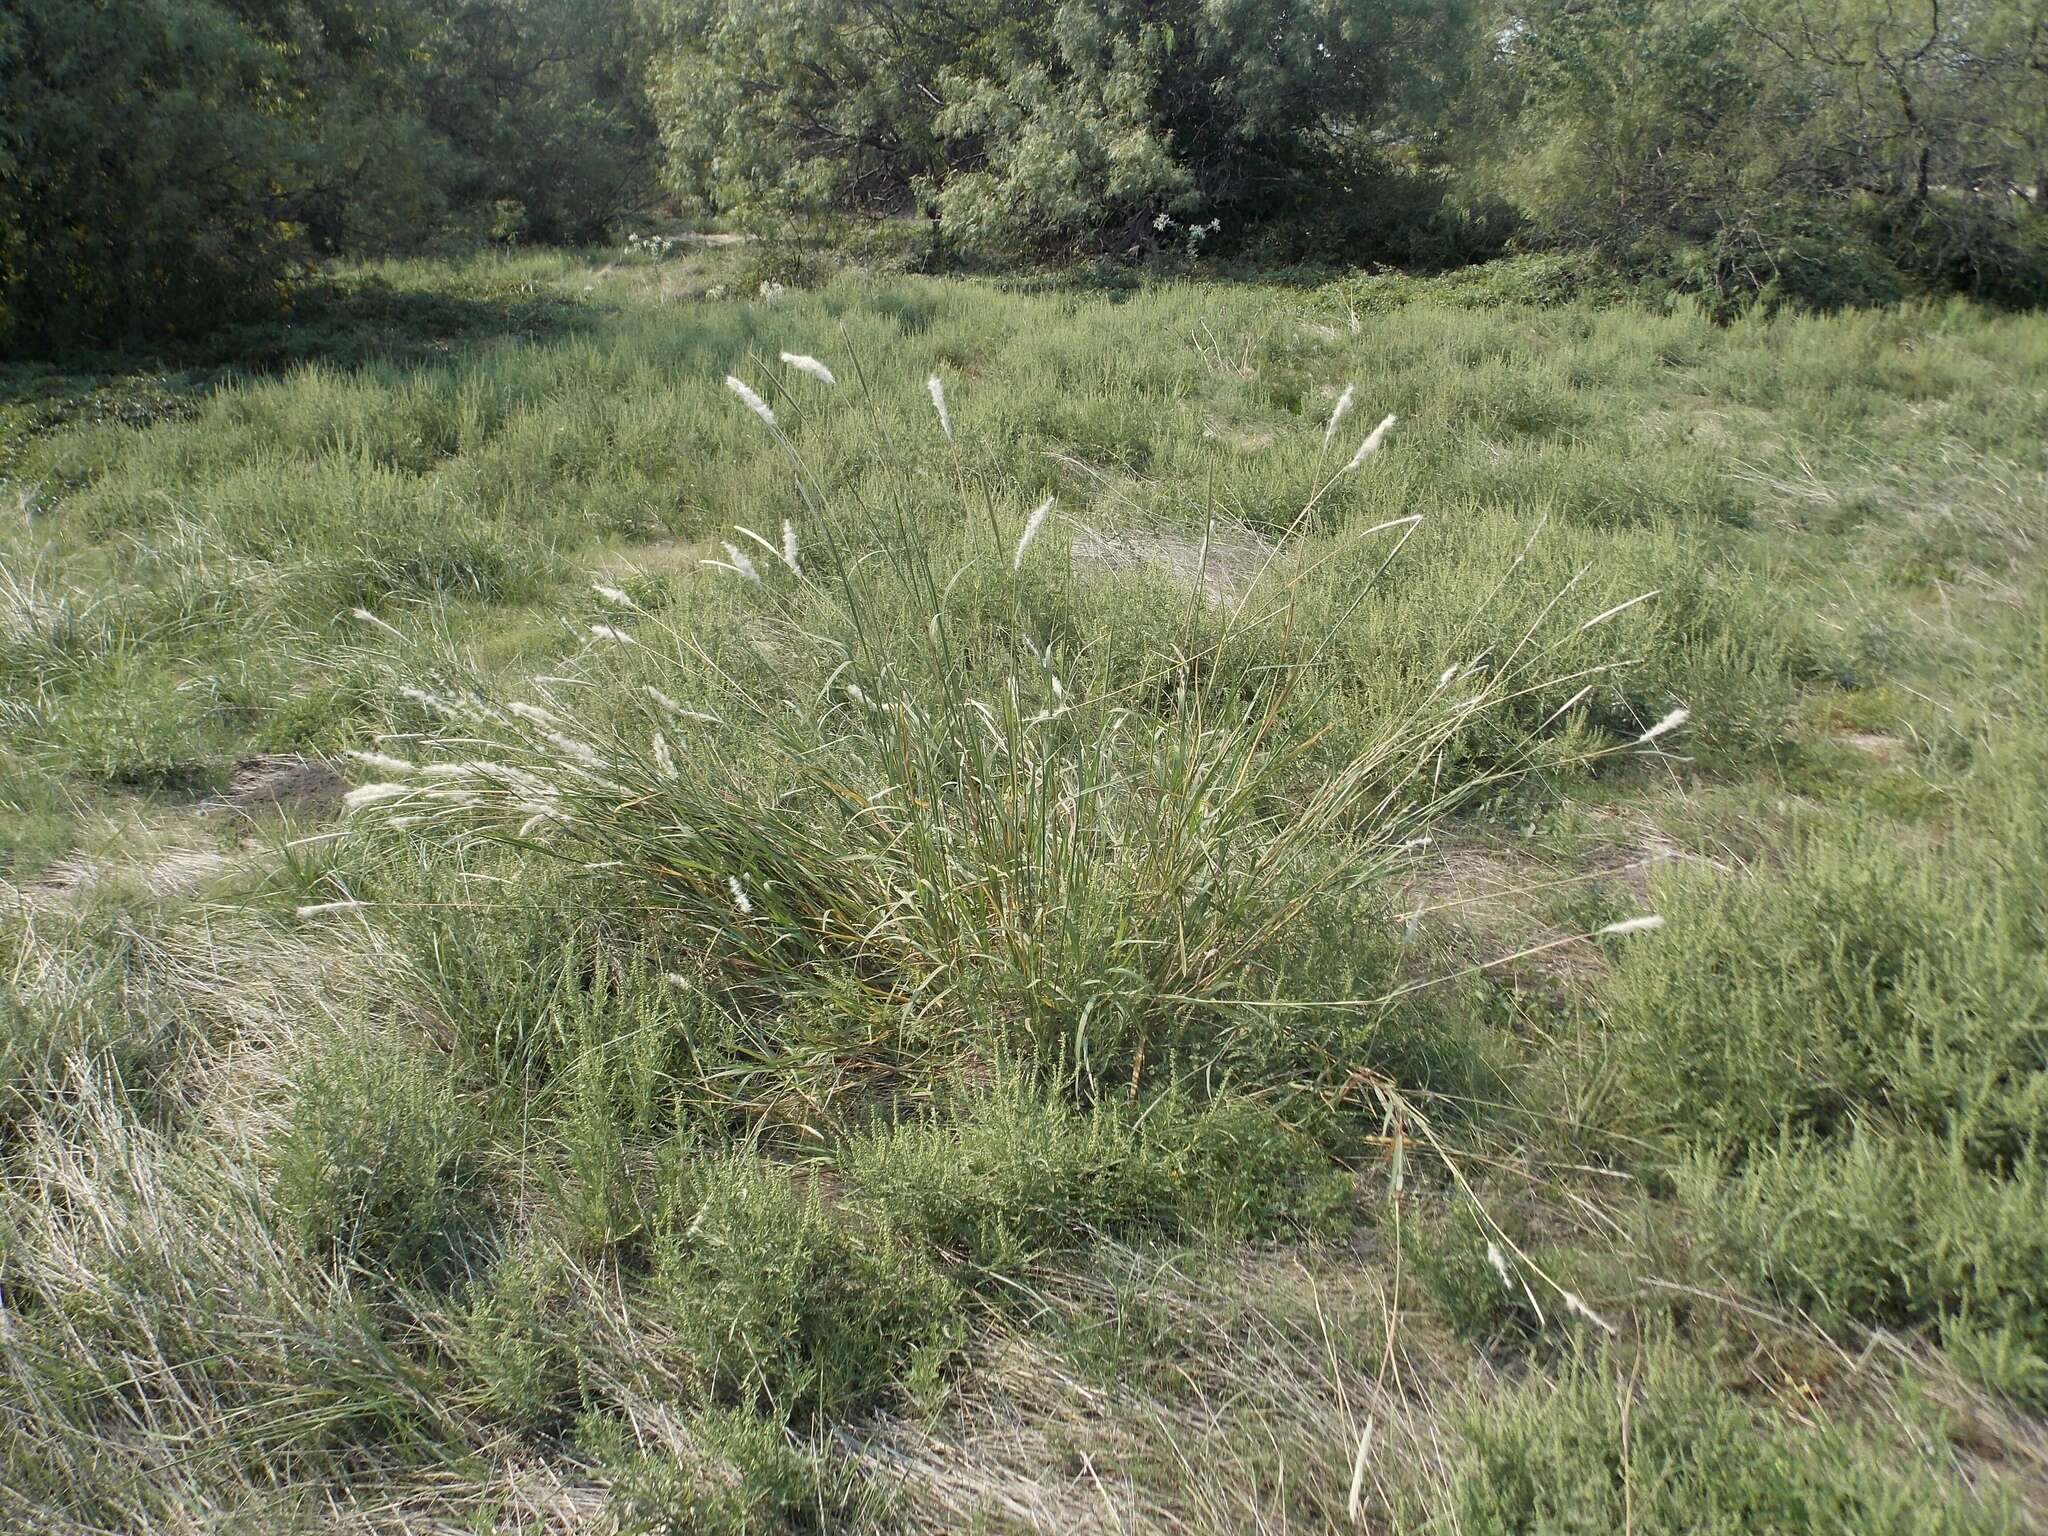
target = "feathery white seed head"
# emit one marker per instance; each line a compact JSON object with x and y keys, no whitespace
{"x":664,"y":760}
{"x":533,"y":713}
{"x":433,"y":703}
{"x":753,"y":401}
{"x":1343,"y":409}
{"x":1602,"y":618}
{"x":737,"y":559}
{"x":1647,"y":924}
{"x":804,"y":363}
{"x":1670,"y":722}
{"x":579,"y":750}
{"x":739,"y":895}
{"x":367,"y":617}
{"x":1372,"y":442}
{"x":1031,"y":528}
{"x":613,"y":595}
{"x":372,"y":794}
{"x":938,"y":393}
{"x":322,"y":908}
{"x":789,"y":546}
{"x":383,"y":762}
{"x":615,"y":636}
{"x":1566,"y":705}
{"x":1499,"y":1262}
{"x":680,"y":711}
{"x":1575,"y":1305}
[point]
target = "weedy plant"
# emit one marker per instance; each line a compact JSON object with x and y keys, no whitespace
{"x":999,"y":846}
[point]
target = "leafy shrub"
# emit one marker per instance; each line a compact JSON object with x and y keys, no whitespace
{"x":101,"y":1018}
{"x":785,"y":1307}
{"x":1853,"y":1055}
{"x":1474,"y":1283}
{"x":1668,"y":1450}
{"x":1879,"y":1230}
{"x":517,"y":1344}
{"x":1869,"y":984}
{"x":743,"y":1476}
{"x":1531,"y":279}
{"x":381,"y":1168}
{"x":133,"y":728}
{"x":1021,"y":1174}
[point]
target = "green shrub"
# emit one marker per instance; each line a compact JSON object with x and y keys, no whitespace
{"x":1021,"y":1174}
{"x":1847,"y":1061}
{"x":381,"y":1167}
{"x":1475,"y":1284}
{"x":98,"y":1016}
{"x":1898,"y":1233}
{"x":1868,"y":983}
{"x":784,"y":1305}
{"x":743,"y":1476}
{"x":518,"y":1344}
{"x":1669,"y":1451}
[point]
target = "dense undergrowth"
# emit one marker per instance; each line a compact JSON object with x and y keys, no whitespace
{"x":845,"y":998}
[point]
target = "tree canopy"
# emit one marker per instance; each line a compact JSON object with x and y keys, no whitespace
{"x":167,"y":163}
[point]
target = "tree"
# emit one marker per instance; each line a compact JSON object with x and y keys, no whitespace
{"x":1122,"y":120}
{"x":163,"y":158}
{"x":796,"y":106}
{"x":542,"y":105}
{"x":1051,"y":125}
{"x":1830,"y":150}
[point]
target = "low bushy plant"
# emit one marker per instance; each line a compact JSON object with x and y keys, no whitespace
{"x":1664,"y":1448}
{"x":381,"y":1169}
{"x":1019,"y":1174}
{"x":785,"y":1305}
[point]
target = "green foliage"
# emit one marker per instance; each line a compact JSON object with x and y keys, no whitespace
{"x":1060,"y":127}
{"x":163,"y":157}
{"x":1140,"y":125}
{"x":381,"y":1168}
{"x":1896,"y":1232}
{"x":787,"y":1306}
{"x":1834,"y":156}
{"x":1669,"y":1451}
{"x":1473,"y":1282}
{"x":744,"y":1477}
{"x":540,"y":105}
{"x":1019,"y":1175}
{"x":1875,"y":983}
{"x":515,"y":1339}
{"x":1884,"y":1166}
{"x":170,"y":166}
{"x":97,"y":1021}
